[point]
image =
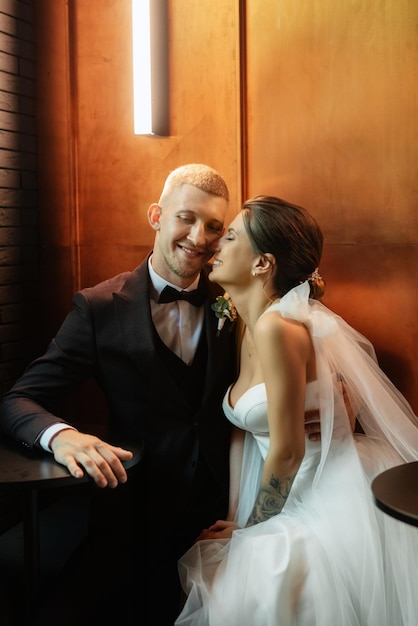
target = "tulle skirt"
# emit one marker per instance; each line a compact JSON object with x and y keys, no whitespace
{"x":331,"y":558}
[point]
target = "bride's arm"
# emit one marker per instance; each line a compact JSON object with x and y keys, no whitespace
{"x":286,"y":355}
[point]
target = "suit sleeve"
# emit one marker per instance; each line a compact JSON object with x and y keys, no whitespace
{"x":38,"y":399}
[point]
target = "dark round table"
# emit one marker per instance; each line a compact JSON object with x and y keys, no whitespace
{"x":395,"y":492}
{"x":29,"y":472}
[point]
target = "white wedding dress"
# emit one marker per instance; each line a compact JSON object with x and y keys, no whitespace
{"x":330,"y":558}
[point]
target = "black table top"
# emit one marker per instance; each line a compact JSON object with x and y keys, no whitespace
{"x":396,"y":492}
{"x":26,"y":469}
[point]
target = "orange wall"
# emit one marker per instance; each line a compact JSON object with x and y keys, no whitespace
{"x":333,"y":125}
{"x":329,"y":121}
{"x":97,"y":177}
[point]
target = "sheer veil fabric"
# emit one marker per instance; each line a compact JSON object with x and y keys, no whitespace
{"x":331,"y":557}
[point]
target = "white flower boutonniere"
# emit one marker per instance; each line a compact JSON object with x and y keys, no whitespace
{"x":224,"y":310}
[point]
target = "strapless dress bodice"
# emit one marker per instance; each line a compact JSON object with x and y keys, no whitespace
{"x":250,"y":413}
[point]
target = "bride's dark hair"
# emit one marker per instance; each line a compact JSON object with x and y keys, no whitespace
{"x":292,"y":236}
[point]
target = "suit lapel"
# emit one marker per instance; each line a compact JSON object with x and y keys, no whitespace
{"x":132,"y":306}
{"x":216,"y":344}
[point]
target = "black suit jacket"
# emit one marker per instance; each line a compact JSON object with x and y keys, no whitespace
{"x":109,"y":336}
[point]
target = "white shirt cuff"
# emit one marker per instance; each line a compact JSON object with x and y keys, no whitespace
{"x":50,"y":432}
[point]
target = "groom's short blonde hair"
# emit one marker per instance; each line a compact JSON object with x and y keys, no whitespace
{"x":202,"y":176}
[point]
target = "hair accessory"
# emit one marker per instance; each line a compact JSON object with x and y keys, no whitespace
{"x":315,"y":275}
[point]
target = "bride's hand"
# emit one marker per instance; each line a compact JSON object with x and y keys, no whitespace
{"x":219,"y":530}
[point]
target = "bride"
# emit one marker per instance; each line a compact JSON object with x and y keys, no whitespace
{"x":304,"y":543}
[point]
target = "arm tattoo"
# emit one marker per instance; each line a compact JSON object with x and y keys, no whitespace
{"x":271,"y":499}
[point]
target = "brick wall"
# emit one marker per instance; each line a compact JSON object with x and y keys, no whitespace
{"x":19,"y":237}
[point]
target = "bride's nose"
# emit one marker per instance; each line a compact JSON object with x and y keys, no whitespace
{"x":220,"y":243}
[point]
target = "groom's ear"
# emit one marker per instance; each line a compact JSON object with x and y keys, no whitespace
{"x":154,"y":215}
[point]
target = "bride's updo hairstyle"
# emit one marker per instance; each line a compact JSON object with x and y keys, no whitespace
{"x":292,"y":236}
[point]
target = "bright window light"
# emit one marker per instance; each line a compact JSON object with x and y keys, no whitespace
{"x":142,"y":67}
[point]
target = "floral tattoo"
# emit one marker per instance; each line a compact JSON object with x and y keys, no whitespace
{"x":270,"y":500}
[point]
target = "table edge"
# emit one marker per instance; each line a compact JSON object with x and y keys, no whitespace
{"x":395,"y":513}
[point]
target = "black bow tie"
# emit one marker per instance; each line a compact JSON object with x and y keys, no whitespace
{"x":169,"y":294}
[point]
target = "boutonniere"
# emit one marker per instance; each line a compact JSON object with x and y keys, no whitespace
{"x":224,"y":310}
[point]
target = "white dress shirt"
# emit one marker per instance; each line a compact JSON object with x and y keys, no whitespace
{"x":178,"y":323}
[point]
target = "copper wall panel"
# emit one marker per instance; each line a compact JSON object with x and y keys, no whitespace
{"x":120,"y":174}
{"x":98,"y":178}
{"x":332,"y":124}
{"x":330,"y":121}
{"x":56,"y":191}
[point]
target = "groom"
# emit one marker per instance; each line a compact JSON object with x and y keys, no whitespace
{"x":163,"y":372}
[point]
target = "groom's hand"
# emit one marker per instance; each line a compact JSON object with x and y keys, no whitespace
{"x":313,"y":425}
